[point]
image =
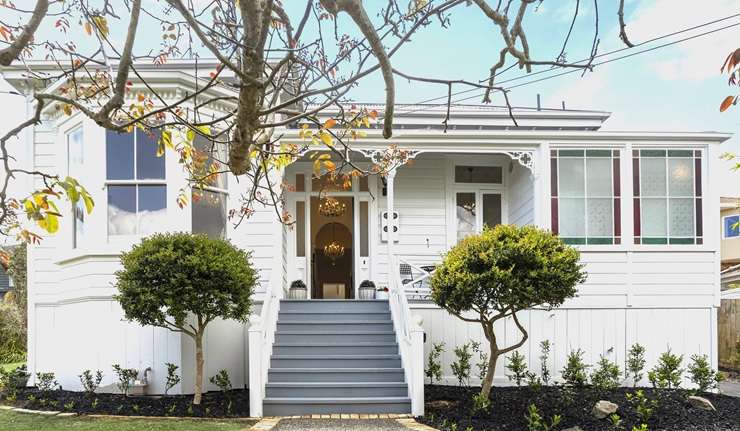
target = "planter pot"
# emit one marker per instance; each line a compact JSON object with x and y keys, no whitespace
{"x":367,"y":292}
{"x":381,"y":294}
{"x":297,"y":293}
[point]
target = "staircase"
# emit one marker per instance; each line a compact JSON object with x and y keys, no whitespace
{"x":335,"y":356}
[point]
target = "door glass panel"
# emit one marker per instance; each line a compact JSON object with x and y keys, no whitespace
{"x":300,"y":228}
{"x":364,"y":249}
{"x":465,"y":210}
{"x":364,"y":184}
{"x":491,"y":210}
{"x":326,"y":183}
{"x":300,"y":182}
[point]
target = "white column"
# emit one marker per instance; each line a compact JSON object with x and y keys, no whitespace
{"x":390,"y":223}
{"x":416,"y":357}
{"x":255,"y":366}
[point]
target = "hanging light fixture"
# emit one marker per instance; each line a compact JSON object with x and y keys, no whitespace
{"x":331,"y":207}
{"x":334,"y":251}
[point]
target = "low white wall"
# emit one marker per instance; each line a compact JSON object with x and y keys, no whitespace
{"x":608,"y":332}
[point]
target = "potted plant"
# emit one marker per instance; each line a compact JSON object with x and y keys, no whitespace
{"x":382,"y":293}
{"x":367,"y":290}
{"x":297,"y":290}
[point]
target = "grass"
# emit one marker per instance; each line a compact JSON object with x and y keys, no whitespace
{"x":31,"y":422}
{"x":10,"y":367}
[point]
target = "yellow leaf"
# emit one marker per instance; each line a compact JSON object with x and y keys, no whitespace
{"x":89,"y":203}
{"x":205,"y":130}
{"x":326,"y":139}
{"x":190,"y":135}
{"x":102,"y":25}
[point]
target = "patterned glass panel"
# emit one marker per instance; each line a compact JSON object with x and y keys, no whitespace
{"x":599,"y":177}
{"x":682,"y":217}
{"x":465,"y":209}
{"x":652,"y":177}
{"x":571,"y":177}
{"x":654,"y":217}
{"x":600,"y":217}
{"x":681,"y":176}
{"x":571,"y":217}
{"x":491,"y":209}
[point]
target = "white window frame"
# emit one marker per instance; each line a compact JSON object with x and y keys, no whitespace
{"x":724,"y":225}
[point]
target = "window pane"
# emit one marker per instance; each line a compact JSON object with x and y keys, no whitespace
{"x":571,"y":176}
{"x":79,"y":223}
{"x":300,"y":229}
{"x":364,"y":243}
{"x":119,"y":155}
{"x":731,"y":230}
{"x":300,"y":182}
{"x":599,"y":177}
{"x":209,"y":213}
{"x":152,"y":209}
{"x":571,"y":214}
{"x":121,"y":210}
{"x":652,"y":177}
{"x":327,"y":184}
{"x":491,"y":210}
{"x":479,"y":174}
{"x":654,"y":218}
{"x":682,"y":217}
{"x":364,"y":184}
{"x":600,"y":217}
{"x":215,"y":154}
{"x":465,"y":209}
{"x":75,"y":156}
{"x":148,"y":165}
{"x":681,"y":177}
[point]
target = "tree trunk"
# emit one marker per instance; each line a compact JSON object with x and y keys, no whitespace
{"x":198,"y":368}
{"x":485,"y":389}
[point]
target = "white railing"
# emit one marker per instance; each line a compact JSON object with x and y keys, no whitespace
{"x":410,"y":335}
{"x":262,"y":330}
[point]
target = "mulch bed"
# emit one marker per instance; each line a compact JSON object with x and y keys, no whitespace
{"x":448,"y":405}
{"x":213,"y":404}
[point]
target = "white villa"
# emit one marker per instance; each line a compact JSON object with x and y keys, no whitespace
{"x":640,"y":206}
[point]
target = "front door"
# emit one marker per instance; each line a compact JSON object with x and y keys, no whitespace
{"x":332,"y":247}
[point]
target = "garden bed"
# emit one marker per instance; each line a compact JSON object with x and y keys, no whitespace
{"x":450,"y":407}
{"x":213,"y":405}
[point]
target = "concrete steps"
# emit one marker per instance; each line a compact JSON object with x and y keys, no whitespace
{"x":335,"y":356}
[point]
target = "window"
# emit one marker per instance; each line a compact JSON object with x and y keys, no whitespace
{"x":469,"y":219}
{"x":585,"y":196}
{"x":667,"y":196}
{"x":209,"y":202}
{"x":479,"y":174}
{"x":732,"y":228}
{"x":75,"y":160}
{"x":137,"y":194}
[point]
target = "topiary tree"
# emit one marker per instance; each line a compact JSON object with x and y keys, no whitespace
{"x":504,"y":270}
{"x":182,"y":282}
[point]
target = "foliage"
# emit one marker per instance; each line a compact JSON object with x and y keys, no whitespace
{"x":544,"y":359}
{"x":481,"y":403}
{"x":89,"y":382}
{"x":635,"y":363}
{"x":702,"y":374}
{"x":126,"y":378}
{"x":12,"y":333}
{"x":615,"y":422}
{"x":574,"y":372}
{"x":434,"y":366}
{"x":482,"y":363}
{"x":461,"y":366}
{"x":46,"y":382}
{"x":606,"y":374}
{"x":168,"y":278}
{"x":172,"y":377}
{"x":666,"y":374}
{"x":17,"y":271}
{"x":517,"y":367}
{"x":535,"y":421}
{"x":222,"y":380}
{"x":13,"y":379}
{"x":644,"y":407}
{"x":501,"y":271}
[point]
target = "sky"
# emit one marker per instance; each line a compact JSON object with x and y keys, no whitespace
{"x":677,"y":88}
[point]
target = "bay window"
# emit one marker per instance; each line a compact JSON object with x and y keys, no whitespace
{"x":667,"y":196}
{"x":585,"y":196}
{"x":137,"y":192}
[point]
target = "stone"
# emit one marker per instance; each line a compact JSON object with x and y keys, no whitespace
{"x":603,"y":409}
{"x":701,"y":403}
{"x":576,"y":428}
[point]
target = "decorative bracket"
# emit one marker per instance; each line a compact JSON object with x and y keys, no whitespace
{"x":524,"y":158}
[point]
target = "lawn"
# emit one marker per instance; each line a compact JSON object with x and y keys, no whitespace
{"x":30,"y":422}
{"x":13,"y":366}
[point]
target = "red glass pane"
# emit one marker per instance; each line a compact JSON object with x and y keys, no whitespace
{"x":697,"y":175}
{"x":617,"y":177}
{"x":636,"y":216}
{"x":699,"y":221}
{"x":554,"y":215}
{"x":636,"y":177}
{"x":617,"y":218}
{"x":554,"y":176}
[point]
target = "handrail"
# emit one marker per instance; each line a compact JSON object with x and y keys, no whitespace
{"x":410,"y":336}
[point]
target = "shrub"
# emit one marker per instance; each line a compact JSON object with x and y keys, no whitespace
{"x":434,"y":366}
{"x":126,"y":378}
{"x":517,"y":367}
{"x":574,"y":373}
{"x":12,"y":380}
{"x":481,"y":403}
{"x":482,"y":364}
{"x":667,"y":372}
{"x":172,"y":377}
{"x":644,"y":407}
{"x":544,"y":358}
{"x":501,"y":272}
{"x":222,"y":380}
{"x":461,"y":366}
{"x":535,"y":421}
{"x":182,"y":282}
{"x":12,"y":333}
{"x":605,"y":375}
{"x":46,"y":382}
{"x":635,"y":363}
{"x":702,"y":374}
{"x":89,"y":383}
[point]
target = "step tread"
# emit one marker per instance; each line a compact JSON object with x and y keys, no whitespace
{"x":380,"y":356}
{"x":335,"y":370}
{"x":335,"y":322}
{"x":348,"y":344}
{"x":338,"y":312}
{"x":336,"y":384}
{"x":332,"y":400}
{"x":346,"y":301}
{"x":291,"y":332}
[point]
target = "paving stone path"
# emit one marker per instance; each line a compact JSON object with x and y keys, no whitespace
{"x":730,"y":387}
{"x":339,"y":425}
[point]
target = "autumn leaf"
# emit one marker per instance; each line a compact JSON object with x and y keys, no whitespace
{"x":729,"y":100}
{"x":102,"y":25}
{"x":328,"y":124}
{"x":88,"y":28}
{"x":326,"y":139}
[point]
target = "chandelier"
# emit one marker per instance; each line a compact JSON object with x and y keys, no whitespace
{"x":330,"y":207}
{"x":333,"y":251}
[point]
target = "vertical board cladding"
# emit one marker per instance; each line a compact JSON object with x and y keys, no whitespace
{"x":607,"y":332}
